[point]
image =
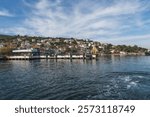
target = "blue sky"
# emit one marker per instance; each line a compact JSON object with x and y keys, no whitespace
{"x":111,"y":21}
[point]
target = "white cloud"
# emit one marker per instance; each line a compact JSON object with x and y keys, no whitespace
{"x":140,"y":40}
{"x":133,"y":38}
{"x":18,"y":30}
{"x":50,"y":19}
{"x":5,"y":13}
{"x":85,"y":19}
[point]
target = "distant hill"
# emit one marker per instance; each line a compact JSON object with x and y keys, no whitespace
{"x":6,"y":36}
{"x":58,"y":41}
{"x":2,"y":35}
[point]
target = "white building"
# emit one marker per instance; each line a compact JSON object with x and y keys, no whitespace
{"x":27,"y":52}
{"x":1,"y":45}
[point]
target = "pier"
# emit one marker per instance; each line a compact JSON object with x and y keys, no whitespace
{"x":48,"y":57}
{"x":32,"y":54}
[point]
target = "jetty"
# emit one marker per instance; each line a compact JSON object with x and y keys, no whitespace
{"x":32,"y":54}
{"x":48,"y":57}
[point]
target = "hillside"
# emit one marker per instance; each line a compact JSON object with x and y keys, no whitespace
{"x":64,"y":45}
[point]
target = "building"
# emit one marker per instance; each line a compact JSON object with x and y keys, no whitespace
{"x":27,"y":52}
{"x":1,"y":45}
{"x":94,"y":50}
{"x":123,"y":53}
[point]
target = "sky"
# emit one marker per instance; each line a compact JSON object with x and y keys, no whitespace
{"x":111,"y":21}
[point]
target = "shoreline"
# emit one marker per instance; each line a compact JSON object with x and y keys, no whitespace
{"x":48,"y":57}
{"x":65,"y":56}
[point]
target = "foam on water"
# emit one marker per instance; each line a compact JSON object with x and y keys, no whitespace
{"x":132,"y":85}
{"x":127,"y":78}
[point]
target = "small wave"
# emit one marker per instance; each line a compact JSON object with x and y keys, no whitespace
{"x":127,"y":78}
{"x":132,"y":84}
{"x":140,"y":76}
{"x":136,"y":74}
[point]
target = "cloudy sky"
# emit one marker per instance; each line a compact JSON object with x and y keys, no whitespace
{"x":111,"y":21}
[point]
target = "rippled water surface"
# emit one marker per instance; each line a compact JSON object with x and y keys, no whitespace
{"x":110,"y":77}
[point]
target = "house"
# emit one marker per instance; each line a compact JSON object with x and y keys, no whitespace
{"x":19,"y":39}
{"x":1,"y":45}
{"x":113,"y":51}
{"x":123,"y":53}
{"x":33,"y":40}
{"x":94,"y":50}
{"x":39,"y":44}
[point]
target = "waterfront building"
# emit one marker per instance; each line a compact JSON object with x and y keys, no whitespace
{"x":123,"y":53}
{"x":94,"y":50}
{"x":1,"y":45}
{"x":27,"y":52}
